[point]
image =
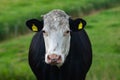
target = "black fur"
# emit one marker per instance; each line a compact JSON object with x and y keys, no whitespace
{"x":37,"y":23}
{"x":75,"y":66}
{"x":74,"y":24}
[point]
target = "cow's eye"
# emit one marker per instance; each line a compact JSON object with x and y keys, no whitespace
{"x":43,"y":31}
{"x":67,"y":32}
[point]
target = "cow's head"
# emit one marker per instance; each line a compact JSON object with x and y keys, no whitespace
{"x":56,"y":27}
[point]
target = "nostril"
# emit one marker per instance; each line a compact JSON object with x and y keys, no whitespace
{"x":48,"y":57}
{"x":59,"y":57}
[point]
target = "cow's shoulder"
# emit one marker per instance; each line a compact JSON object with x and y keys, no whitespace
{"x":37,"y":48}
{"x":37,"y":39}
{"x":80,"y":49}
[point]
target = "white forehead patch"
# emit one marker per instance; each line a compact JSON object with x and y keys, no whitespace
{"x":55,"y":14}
{"x":56,"y":18}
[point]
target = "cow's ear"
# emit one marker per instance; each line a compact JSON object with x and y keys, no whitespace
{"x":77,"y":24}
{"x":34,"y":25}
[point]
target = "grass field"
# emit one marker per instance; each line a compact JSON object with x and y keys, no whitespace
{"x":14,"y":13}
{"x":104,"y":31}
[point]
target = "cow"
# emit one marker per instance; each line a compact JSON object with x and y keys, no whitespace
{"x":60,"y":49}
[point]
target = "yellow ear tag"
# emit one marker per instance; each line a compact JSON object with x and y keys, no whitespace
{"x":80,"y":26}
{"x":34,"y":28}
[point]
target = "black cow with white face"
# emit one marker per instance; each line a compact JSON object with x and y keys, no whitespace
{"x":60,"y":50}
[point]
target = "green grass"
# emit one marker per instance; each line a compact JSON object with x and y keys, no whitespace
{"x":14,"y":13}
{"x":103,"y":29}
{"x":13,"y":59}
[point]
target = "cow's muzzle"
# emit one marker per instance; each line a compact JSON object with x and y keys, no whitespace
{"x":54,"y":59}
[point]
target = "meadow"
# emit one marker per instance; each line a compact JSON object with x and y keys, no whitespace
{"x":14,"y":13}
{"x":103,"y":29}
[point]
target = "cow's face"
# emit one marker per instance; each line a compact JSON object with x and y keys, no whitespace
{"x":56,"y":32}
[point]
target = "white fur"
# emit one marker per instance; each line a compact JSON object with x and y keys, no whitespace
{"x":57,"y":41}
